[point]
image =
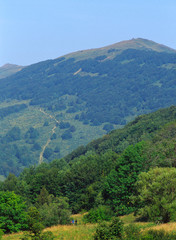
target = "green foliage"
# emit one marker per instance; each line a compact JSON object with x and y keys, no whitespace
{"x":158,"y":235}
{"x":120,"y":183}
{"x":12,"y":135}
{"x":55,"y":212}
{"x":64,"y":125}
{"x":35,"y":227}
{"x":11,"y":109}
{"x":48,"y":152}
{"x":109,"y":91}
{"x":132,"y":232}
{"x":66,"y":135}
{"x":1,"y":233}
{"x":102,"y":213}
{"x":116,"y":230}
{"x":13,"y":216}
{"x":157,"y":193}
{"x":108,"y":127}
{"x":106,"y":231}
{"x":102,"y":172}
{"x":43,"y":197}
{"x":32,"y":133}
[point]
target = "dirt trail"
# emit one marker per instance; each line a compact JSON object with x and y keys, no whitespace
{"x":49,"y":139}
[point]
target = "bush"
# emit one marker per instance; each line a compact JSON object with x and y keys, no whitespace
{"x":102,"y":213}
{"x":102,"y":232}
{"x":158,"y":235}
{"x":113,"y":230}
{"x":56,"y":212}
{"x":132,"y":232}
{"x":116,"y":230}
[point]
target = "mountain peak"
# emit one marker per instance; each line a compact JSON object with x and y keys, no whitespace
{"x":111,"y":50}
{"x":141,"y":44}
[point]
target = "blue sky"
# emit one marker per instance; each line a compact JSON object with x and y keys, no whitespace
{"x":36,"y":30}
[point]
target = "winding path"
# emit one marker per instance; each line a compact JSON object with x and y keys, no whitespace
{"x":49,"y":139}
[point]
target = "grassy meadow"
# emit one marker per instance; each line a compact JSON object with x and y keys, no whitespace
{"x":83,"y":231}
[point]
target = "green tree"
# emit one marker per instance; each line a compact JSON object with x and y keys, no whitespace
{"x":120,"y":183}
{"x":157,"y":193}
{"x":113,"y":230}
{"x":10,"y":183}
{"x":43,"y":197}
{"x":35,"y":227}
{"x":55,"y":212}
{"x":13,"y":215}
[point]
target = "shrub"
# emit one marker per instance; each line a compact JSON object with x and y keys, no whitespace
{"x":113,"y":230}
{"x":132,"y":232}
{"x":102,"y":213}
{"x":56,"y":212}
{"x":102,"y":232}
{"x":158,"y":235}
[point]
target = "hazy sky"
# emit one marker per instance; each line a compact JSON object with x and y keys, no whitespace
{"x":36,"y":30}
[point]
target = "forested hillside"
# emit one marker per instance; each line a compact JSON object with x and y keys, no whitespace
{"x":86,"y":175}
{"x":50,"y":108}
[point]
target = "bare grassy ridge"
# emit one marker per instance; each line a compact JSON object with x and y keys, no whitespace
{"x":86,"y":231}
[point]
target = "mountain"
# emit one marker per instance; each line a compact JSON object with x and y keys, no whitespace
{"x":9,"y":69}
{"x":50,"y":108}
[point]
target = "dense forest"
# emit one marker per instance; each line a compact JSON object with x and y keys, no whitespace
{"x":107,"y":177}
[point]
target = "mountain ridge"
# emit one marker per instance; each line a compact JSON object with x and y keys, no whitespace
{"x":134,"y":43}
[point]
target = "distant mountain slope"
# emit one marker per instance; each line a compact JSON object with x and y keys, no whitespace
{"x":50,"y":108}
{"x":9,"y":69}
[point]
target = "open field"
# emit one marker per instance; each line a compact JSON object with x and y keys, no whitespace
{"x":79,"y":232}
{"x":86,"y":231}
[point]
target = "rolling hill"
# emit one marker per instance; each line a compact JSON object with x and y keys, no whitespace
{"x":50,"y":108}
